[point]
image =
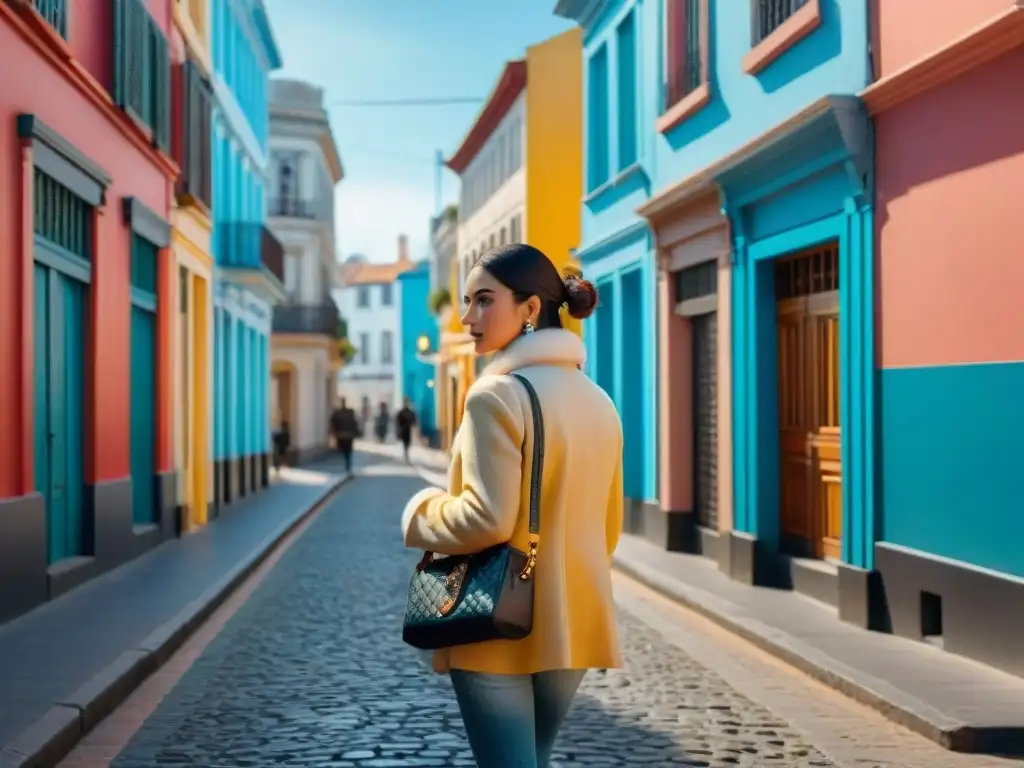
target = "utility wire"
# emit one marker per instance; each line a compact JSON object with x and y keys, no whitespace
{"x":428,"y":102}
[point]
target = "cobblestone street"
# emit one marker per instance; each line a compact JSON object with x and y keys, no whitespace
{"x":311,"y":671}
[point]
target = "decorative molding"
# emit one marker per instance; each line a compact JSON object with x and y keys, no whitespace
{"x":146,"y":223}
{"x":611,"y":242}
{"x":794,"y":29}
{"x":59,"y":158}
{"x":978,"y":46}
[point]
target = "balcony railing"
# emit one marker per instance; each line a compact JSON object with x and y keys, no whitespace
{"x":250,"y":245}
{"x":323,"y":319}
{"x":55,"y":12}
{"x":295,"y":207}
{"x":769,"y":15}
{"x":195,"y":135}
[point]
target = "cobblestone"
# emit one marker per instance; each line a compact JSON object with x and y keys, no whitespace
{"x":312,"y":671}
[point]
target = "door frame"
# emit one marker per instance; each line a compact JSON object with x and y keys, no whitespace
{"x":755,"y":379}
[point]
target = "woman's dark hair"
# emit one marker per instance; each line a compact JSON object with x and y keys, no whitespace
{"x":527,"y":272}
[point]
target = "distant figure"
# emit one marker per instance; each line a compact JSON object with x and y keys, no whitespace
{"x":380,"y":423}
{"x":345,"y":429}
{"x":282,"y":443}
{"x":405,"y":420}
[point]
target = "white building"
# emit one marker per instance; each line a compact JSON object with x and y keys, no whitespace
{"x":493,"y":175}
{"x":304,"y":169}
{"x":368,"y":300}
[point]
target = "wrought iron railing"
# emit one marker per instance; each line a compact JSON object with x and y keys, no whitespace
{"x":195,"y":139}
{"x":55,"y":12}
{"x":769,"y":15}
{"x":307,"y":318}
{"x":295,"y":207}
{"x":686,"y":67}
{"x":250,"y":245}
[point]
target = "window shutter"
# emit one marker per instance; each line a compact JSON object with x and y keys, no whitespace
{"x":675,"y":21}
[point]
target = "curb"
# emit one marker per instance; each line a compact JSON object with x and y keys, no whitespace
{"x":894,"y":704}
{"x":51,"y":737}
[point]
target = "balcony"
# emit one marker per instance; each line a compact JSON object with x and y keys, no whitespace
{"x":194,"y":141}
{"x":55,"y":12}
{"x":294,"y":207}
{"x":320,"y":319}
{"x":254,"y":257}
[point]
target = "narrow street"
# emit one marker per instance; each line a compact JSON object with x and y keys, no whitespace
{"x":310,"y":670}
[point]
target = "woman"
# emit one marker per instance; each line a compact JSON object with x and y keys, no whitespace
{"x":514,"y":694}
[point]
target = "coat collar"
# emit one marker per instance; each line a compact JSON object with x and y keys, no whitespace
{"x":551,"y":346}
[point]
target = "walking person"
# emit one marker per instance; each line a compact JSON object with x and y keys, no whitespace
{"x":381,"y":423}
{"x":282,"y":444}
{"x":345,"y":429}
{"x":405,"y":421}
{"x":514,"y":694}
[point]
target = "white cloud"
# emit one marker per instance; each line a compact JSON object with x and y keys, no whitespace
{"x":370,"y":216}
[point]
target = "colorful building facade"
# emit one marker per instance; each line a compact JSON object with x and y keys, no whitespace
{"x":521,"y":169}
{"x":191,"y":245}
{"x":616,"y":248}
{"x":417,"y":335}
{"x":950,"y":341}
{"x":249,"y":274}
{"x":87,"y":295}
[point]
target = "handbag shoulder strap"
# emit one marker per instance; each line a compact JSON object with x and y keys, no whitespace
{"x":538,"y":453}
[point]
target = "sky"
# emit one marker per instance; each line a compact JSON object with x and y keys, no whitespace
{"x":397,"y":49}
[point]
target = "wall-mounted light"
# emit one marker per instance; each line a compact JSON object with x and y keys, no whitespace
{"x":430,"y":383}
{"x":423,"y":344}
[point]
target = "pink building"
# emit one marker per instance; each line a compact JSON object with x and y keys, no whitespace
{"x":949,"y":118}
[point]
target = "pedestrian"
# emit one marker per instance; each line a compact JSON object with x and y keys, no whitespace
{"x":381,"y":423}
{"x":405,"y":420}
{"x":282,"y":443}
{"x":515,"y":694}
{"x":345,"y":429}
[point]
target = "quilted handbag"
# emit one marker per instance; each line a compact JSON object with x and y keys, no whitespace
{"x":484,"y":596}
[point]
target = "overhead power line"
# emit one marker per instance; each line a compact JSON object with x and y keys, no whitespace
{"x":428,"y":102}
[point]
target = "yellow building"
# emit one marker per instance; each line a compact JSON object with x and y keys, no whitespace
{"x":191,"y":235}
{"x":521,"y":166}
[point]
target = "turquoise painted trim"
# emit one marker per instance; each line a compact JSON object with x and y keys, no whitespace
{"x":62,"y":260}
{"x":616,"y":241}
{"x":781,"y":182}
{"x":951,"y":468}
{"x":143,"y":299}
{"x":755,"y":383}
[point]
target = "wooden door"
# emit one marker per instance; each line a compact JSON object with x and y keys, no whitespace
{"x":143,"y":416}
{"x":58,"y":370}
{"x":185,"y":410}
{"x":807,"y":288}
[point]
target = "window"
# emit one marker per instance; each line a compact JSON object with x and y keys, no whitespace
{"x":385,"y":295}
{"x":195,"y":135}
{"x":291,"y":273}
{"x":385,"y":347}
{"x":492,"y":241}
{"x":769,"y":15}
{"x":625,"y":36}
{"x":363,"y":296}
{"x":504,"y":235}
{"x":684,"y":67}
{"x":142,"y":71}
{"x":597,"y":119}
{"x":516,"y":232}
{"x":364,"y":347}
{"x":56,"y":14}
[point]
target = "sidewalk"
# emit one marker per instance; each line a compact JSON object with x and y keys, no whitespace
{"x":69,"y":663}
{"x":961,"y":704}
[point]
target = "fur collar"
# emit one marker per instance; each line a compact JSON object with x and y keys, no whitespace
{"x":551,"y":346}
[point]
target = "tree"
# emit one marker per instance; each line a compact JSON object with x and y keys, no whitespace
{"x":438,"y":299}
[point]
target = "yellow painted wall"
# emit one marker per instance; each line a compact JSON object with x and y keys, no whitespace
{"x":554,"y":148}
{"x":190,"y":239}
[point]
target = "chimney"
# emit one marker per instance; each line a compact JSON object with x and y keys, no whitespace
{"x":403,"y":249}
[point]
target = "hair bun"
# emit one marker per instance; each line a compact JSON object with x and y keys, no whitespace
{"x":581,"y":296}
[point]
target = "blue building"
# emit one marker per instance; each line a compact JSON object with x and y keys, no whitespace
{"x":762,"y":213}
{"x":414,"y":377}
{"x":249,"y":259}
{"x":616,"y":248}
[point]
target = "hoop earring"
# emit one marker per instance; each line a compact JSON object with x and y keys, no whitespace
{"x":528,"y":328}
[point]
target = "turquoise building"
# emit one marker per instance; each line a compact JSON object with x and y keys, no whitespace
{"x":762,"y":212}
{"x":616,"y":247}
{"x":414,"y":375}
{"x":249,"y":260}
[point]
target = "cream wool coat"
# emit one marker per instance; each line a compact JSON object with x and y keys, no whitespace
{"x":487,"y":503}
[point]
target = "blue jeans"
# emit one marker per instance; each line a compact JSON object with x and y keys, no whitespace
{"x":512,"y":720}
